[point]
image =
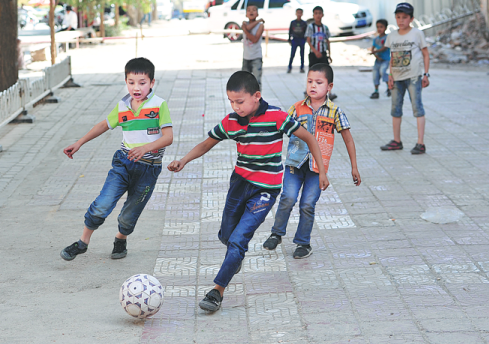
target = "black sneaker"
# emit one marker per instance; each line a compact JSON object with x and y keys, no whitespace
{"x":388,"y":92}
{"x":119,"y":250}
{"x":212,"y":301}
{"x":418,"y":149}
{"x":302,"y":70}
{"x":374,"y":95}
{"x":332,"y":96}
{"x":272,"y":242}
{"x":70,"y":252}
{"x":393,"y":145}
{"x":302,"y":251}
{"x":289,"y":70}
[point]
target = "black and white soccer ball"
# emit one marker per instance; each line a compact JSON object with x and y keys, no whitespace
{"x":141,"y":296}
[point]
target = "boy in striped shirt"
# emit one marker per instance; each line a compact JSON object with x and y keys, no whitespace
{"x":147,"y":130}
{"x":258,"y":130}
{"x":317,"y":36}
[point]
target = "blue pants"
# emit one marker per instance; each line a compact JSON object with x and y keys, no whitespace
{"x":297,"y":42}
{"x":254,"y":67}
{"x":138,"y":179}
{"x":380,"y":72}
{"x":294,"y":180}
{"x":146,"y":15}
{"x":246,"y":208}
{"x":413,"y":86}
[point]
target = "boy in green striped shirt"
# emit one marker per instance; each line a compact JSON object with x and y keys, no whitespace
{"x":147,"y":130}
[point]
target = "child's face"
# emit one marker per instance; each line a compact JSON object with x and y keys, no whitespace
{"x":403,"y":20}
{"x":318,"y":16}
{"x":139,"y":85}
{"x":381,"y":29}
{"x":244,"y":103}
{"x":317,"y":85}
{"x":298,"y":13}
{"x":251,"y":12}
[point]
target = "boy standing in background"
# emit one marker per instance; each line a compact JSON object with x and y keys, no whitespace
{"x":252,"y":37}
{"x":297,"y":31}
{"x":409,"y":59}
{"x":317,"y":35}
{"x":382,"y":59}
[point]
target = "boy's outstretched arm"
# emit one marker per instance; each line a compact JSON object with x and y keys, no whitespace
{"x":196,"y":152}
{"x":164,"y":141}
{"x":308,"y":138}
{"x":97,"y":130}
{"x":350,"y":147}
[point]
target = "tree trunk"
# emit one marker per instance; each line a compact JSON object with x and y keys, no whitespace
{"x":52,"y":5}
{"x":116,"y":18}
{"x":102,"y":25}
{"x":9,"y":68}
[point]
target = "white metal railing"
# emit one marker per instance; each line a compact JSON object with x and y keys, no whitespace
{"x":26,"y":93}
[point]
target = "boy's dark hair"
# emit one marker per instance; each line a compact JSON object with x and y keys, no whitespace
{"x":317,"y":8}
{"x":250,"y":4}
{"x":68,"y":8}
{"x":140,"y":65}
{"x":383,"y":22}
{"x":300,"y":9}
{"x":323,"y":68}
{"x":243,"y":81}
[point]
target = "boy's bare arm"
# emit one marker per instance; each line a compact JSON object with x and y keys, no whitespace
{"x":164,"y":141}
{"x":254,"y":38}
{"x":249,"y":26}
{"x":313,"y":145}
{"x":425,"y":82}
{"x":97,"y":130}
{"x":196,"y":152}
{"x":350,"y":147}
{"x":390,"y":83}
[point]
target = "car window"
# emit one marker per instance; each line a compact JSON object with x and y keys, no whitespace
{"x":258,"y":3}
{"x":277,"y":3}
{"x":235,"y":6}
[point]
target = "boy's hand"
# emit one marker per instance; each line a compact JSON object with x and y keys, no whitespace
{"x":71,"y":149}
{"x":356,"y":177}
{"x":323,"y":181}
{"x":390,"y":83}
{"x":318,"y":54}
{"x":137,"y":153}
{"x":425,"y":82}
{"x":330,"y":59}
{"x":176,"y":166}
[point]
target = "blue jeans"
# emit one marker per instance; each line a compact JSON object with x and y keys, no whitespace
{"x":294,"y":180}
{"x":413,"y":86}
{"x":380,"y":71}
{"x":297,"y":42}
{"x":246,"y":208}
{"x":254,"y":67}
{"x":138,"y":179}
{"x":146,"y":15}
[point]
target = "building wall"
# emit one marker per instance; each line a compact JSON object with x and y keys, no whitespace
{"x":384,"y":9}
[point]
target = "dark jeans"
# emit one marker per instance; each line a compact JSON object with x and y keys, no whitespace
{"x":297,"y":42}
{"x":313,"y":59}
{"x":247,"y":206}
{"x":138,"y":179}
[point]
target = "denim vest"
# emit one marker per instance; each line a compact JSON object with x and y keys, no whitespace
{"x":298,"y":151}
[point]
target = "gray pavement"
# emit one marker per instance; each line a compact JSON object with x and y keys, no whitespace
{"x":379,"y":272}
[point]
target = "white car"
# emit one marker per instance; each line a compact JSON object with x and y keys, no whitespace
{"x":340,"y":17}
{"x":164,"y":9}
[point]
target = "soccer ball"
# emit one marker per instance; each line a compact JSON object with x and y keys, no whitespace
{"x":141,"y":296}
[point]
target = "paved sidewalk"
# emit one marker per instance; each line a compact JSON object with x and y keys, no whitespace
{"x":379,"y":272}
